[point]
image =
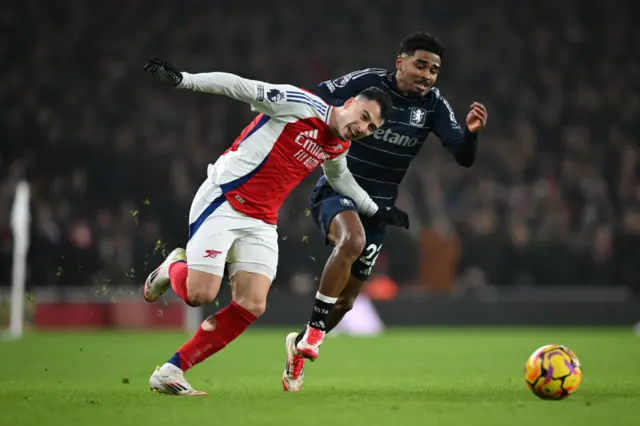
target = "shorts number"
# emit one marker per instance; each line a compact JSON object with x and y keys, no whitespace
{"x":369,"y":259}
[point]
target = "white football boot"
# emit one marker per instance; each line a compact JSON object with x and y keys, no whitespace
{"x":309,"y":346}
{"x":170,"y":380}
{"x":158,"y":282}
{"x":294,"y":369}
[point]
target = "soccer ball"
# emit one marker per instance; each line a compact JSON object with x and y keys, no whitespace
{"x":553,"y":372}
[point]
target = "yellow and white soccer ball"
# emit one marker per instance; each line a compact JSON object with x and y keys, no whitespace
{"x":553,"y":372}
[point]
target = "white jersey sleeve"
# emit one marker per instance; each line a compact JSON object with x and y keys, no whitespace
{"x":284,"y":101}
{"x":343,"y":182}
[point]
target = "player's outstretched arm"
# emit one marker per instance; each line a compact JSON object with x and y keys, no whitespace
{"x":273,"y":99}
{"x":219,"y":83}
{"x":343,"y":182}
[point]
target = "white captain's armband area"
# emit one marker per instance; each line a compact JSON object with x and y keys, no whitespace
{"x":276,"y":100}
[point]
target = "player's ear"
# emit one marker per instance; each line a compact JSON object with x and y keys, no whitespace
{"x":399,"y":60}
{"x":349,"y":102}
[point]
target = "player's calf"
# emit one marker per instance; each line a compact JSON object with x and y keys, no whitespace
{"x":213,"y":335}
{"x":345,"y":302}
{"x":249,"y":293}
{"x":342,"y":306}
{"x":347,"y":235}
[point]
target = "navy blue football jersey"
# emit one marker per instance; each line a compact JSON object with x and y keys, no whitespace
{"x":379,"y":162}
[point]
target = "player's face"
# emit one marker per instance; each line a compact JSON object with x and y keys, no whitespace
{"x":417,"y":73}
{"x":360,"y":118}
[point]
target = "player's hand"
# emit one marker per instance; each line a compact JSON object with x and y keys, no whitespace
{"x":477,"y":118}
{"x":392,"y":216}
{"x":163,"y":71}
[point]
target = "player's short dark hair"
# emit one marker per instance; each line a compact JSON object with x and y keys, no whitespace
{"x":421,"y":41}
{"x":381,"y":97}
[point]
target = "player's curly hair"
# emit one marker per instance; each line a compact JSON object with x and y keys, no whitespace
{"x":381,"y":97}
{"x":421,"y":41}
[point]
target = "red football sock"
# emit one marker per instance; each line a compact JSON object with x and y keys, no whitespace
{"x":231,"y":322}
{"x":178,"y":272}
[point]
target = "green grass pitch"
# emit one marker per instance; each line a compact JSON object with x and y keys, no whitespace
{"x":413,"y":377}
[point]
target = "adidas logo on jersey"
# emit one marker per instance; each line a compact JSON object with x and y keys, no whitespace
{"x":311,"y":134}
{"x":306,"y":140}
{"x":395,"y":138}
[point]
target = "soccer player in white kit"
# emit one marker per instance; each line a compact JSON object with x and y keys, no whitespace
{"x":234,"y":213}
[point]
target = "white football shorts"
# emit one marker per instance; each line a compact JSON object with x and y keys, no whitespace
{"x":220,"y":234}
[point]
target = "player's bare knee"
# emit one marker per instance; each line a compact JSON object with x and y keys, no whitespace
{"x":351,"y":245}
{"x":199,"y":297}
{"x":250,"y":291}
{"x":254,"y":305}
{"x":202,"y":287}
{"x":254,"y":301}
{"x":201,"y":292}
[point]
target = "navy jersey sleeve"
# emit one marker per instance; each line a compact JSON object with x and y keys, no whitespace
{"x":336,"y":92}
{"x":462,"y":144}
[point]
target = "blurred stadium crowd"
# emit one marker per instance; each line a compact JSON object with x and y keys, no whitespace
{"x":114,"y":159}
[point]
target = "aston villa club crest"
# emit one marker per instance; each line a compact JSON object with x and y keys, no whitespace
{"x":418,"y":117}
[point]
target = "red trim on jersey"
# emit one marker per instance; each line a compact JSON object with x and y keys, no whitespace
{"x":245,"y":132}
{"x":288,"y":164}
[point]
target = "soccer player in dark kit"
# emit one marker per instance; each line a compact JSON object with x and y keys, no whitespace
{"x":378,"y":162}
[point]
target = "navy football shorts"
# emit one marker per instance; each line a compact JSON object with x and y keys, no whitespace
{"x":325,"y":205}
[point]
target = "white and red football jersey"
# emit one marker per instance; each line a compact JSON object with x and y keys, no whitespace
{"x":287,"y":141}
